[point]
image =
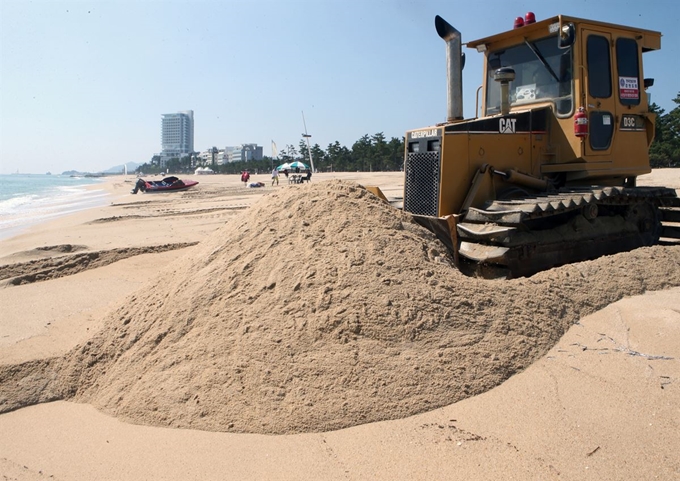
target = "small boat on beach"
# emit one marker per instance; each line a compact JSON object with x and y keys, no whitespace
{"x":168,"y":184}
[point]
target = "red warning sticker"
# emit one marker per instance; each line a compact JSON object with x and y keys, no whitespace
{"x":628,"y":88}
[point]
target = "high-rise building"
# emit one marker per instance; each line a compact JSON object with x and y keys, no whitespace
{"x":243,"y":152}
{"x":177,"y":135}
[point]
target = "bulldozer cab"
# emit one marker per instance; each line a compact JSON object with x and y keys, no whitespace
{"x":543,"y":73}
{"x":569,"y":63}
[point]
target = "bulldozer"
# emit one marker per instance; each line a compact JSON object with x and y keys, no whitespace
{"x":545,"y":173}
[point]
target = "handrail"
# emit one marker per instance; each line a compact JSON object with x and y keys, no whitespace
{"x":477,"y":101}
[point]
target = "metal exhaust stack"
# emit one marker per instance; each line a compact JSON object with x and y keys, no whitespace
{"x":454,"y":73}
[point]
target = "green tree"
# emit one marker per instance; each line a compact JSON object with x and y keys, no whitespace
{"x":665,"y":150}
{"x":173,"y":165}
{"x":379,"y":152}
{"x":361,"y":154}
{"x":338,"y":157}
{"x":288,"y":154}
{"x":673,"y":130}
{"x":319,"y":157}
{"x":304,"y":152}
{"x":213,"y":156}
{"x":395,"y":154}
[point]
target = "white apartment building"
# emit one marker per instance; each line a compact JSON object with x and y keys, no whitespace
{"x":243,"y":152}
{"x":177,"y":141}
{"x":207,"y":157}
{"x":177,"y":135}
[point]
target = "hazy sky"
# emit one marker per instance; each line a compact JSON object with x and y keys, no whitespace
{"x":83,"y":84}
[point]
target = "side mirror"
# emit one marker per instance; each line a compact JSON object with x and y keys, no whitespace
{"x":566,"y":36}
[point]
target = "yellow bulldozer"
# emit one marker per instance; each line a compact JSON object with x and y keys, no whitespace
{"x":545,"y":173}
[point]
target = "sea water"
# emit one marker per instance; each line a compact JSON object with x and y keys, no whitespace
{"x":28,"y":199}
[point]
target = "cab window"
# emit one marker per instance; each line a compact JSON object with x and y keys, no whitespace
{"x":627,"y":63}
{"x":599,"y":67}
{"x":542,"y":74}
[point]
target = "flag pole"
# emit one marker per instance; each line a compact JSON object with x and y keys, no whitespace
{"x":275,"y":153}
{"x":307,"y":136}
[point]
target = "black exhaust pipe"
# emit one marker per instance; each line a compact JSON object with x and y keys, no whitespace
{"x":454,"y":68}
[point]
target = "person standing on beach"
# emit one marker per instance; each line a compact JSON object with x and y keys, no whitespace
{"x":245,"y":177}
{"x":275,"y":176}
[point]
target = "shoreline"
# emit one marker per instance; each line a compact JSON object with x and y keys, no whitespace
{"x":560,"y":418}
{"x":36,"y":206}
{"x":227,"y":189}
{"x":118,"y":187}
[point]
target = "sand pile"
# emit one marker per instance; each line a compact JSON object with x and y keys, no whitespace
{"x":318,"y":308}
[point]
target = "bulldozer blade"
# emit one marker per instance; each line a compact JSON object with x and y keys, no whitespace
{"x":375,"y":190}
{"x":445,"y":228}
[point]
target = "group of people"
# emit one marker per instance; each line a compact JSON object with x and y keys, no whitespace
{"x":300,"y":179}
{"x":245,"y":176}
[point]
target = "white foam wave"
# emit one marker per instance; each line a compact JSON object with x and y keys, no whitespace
{"x":23,"y":211}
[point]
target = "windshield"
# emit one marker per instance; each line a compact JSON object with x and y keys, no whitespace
{"x":542,"y":73}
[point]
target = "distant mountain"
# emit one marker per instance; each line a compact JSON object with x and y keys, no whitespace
{"x":118,"y":169}
{"x":131,"y":166}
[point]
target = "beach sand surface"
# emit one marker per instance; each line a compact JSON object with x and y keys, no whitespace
{"x":603,"y":403}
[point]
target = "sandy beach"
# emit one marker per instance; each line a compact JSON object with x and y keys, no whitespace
{"x":196,"y":337}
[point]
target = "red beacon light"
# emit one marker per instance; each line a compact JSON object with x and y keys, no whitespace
{"x":529,"y":18}
{"x":519,"y":22}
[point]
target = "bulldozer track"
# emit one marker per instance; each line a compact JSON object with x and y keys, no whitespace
{"x":509,"y":212}
{"x":531,"y":234}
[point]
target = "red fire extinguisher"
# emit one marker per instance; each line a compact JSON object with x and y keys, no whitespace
{"x":581,"y":123}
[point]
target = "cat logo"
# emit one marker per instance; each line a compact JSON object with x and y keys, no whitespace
{"x":506,"y":126}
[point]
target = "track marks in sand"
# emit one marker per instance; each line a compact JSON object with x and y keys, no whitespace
{"x":53,"y":268}
{"x":60,"y":248}
{"x":449,"y":432}
{"x":39,"y":253}
{"x":214,"y":210}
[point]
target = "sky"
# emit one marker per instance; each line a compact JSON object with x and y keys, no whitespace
{"x":83,"y":84}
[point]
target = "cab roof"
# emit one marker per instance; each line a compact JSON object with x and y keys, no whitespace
{"x":650,"y":39}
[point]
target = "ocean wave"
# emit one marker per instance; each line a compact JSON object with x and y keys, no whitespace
{"x":26,"y":209}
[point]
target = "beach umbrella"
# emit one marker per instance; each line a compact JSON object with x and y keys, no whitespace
{"x":299,"y":165}
{"x":284,"y":166}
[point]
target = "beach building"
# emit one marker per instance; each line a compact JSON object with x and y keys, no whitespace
{"x":243,"y":152}
{"x":212,"y":155}
{"x":177,"y":135}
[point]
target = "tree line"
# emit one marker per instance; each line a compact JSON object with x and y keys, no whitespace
{"x":369,"y":153}
{"x":665,"y":150}
{"x":376,"y":153}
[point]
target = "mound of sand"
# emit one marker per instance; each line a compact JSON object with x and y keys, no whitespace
{"x":319,"y":308}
